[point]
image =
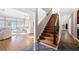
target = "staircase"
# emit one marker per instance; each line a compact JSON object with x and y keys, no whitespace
{"x":50,"y":33}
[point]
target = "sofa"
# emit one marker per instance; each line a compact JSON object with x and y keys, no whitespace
{"x":4,"y":33}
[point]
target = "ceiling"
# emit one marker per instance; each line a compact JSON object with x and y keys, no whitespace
{"x":46,"y":9}
{"x":29,"y":11}
{"x":17,"y":12}
{"x":66,"y":11}
{"x":20,"y":12}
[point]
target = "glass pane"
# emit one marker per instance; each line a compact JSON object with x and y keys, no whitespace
{"x":20,"y":25}
{"x":11,"y":24}
{"x":17,"y":25}
{"x":1,"y":22}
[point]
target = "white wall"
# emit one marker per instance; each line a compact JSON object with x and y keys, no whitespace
{"x":41,"y":14}
{"x":64,"y":15}
{"x":69,"y":16}
{"x":70,"y":25}
{"x":31,"y":23}
{"x":46,"y":9}
{"x":40,"y":27}
{"x":74,"y":23}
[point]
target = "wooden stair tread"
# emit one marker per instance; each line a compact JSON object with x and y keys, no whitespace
{"x":48,"y":28}
{"x":52,"y":20}
{"x":49,"y":38}
{"x":49,"y":42}
{"x":47,"y":35}
{"x":49,"y":32}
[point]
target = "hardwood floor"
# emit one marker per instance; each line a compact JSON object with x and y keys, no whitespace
{"x":47,"y":35}
{"x":68,"y":39}
{"x":17,"y":42}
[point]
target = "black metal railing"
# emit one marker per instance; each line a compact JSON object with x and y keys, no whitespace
{"x":55,"y":29}
{"x":54,"y":35}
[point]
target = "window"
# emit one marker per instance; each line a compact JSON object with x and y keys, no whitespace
{"x":1,"y":22}
{"x":20,"y":25}
{"x":11,"y":24}
{"x":14,"y":25}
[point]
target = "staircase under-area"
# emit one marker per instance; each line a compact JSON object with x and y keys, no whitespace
{"x":49,"y":36}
